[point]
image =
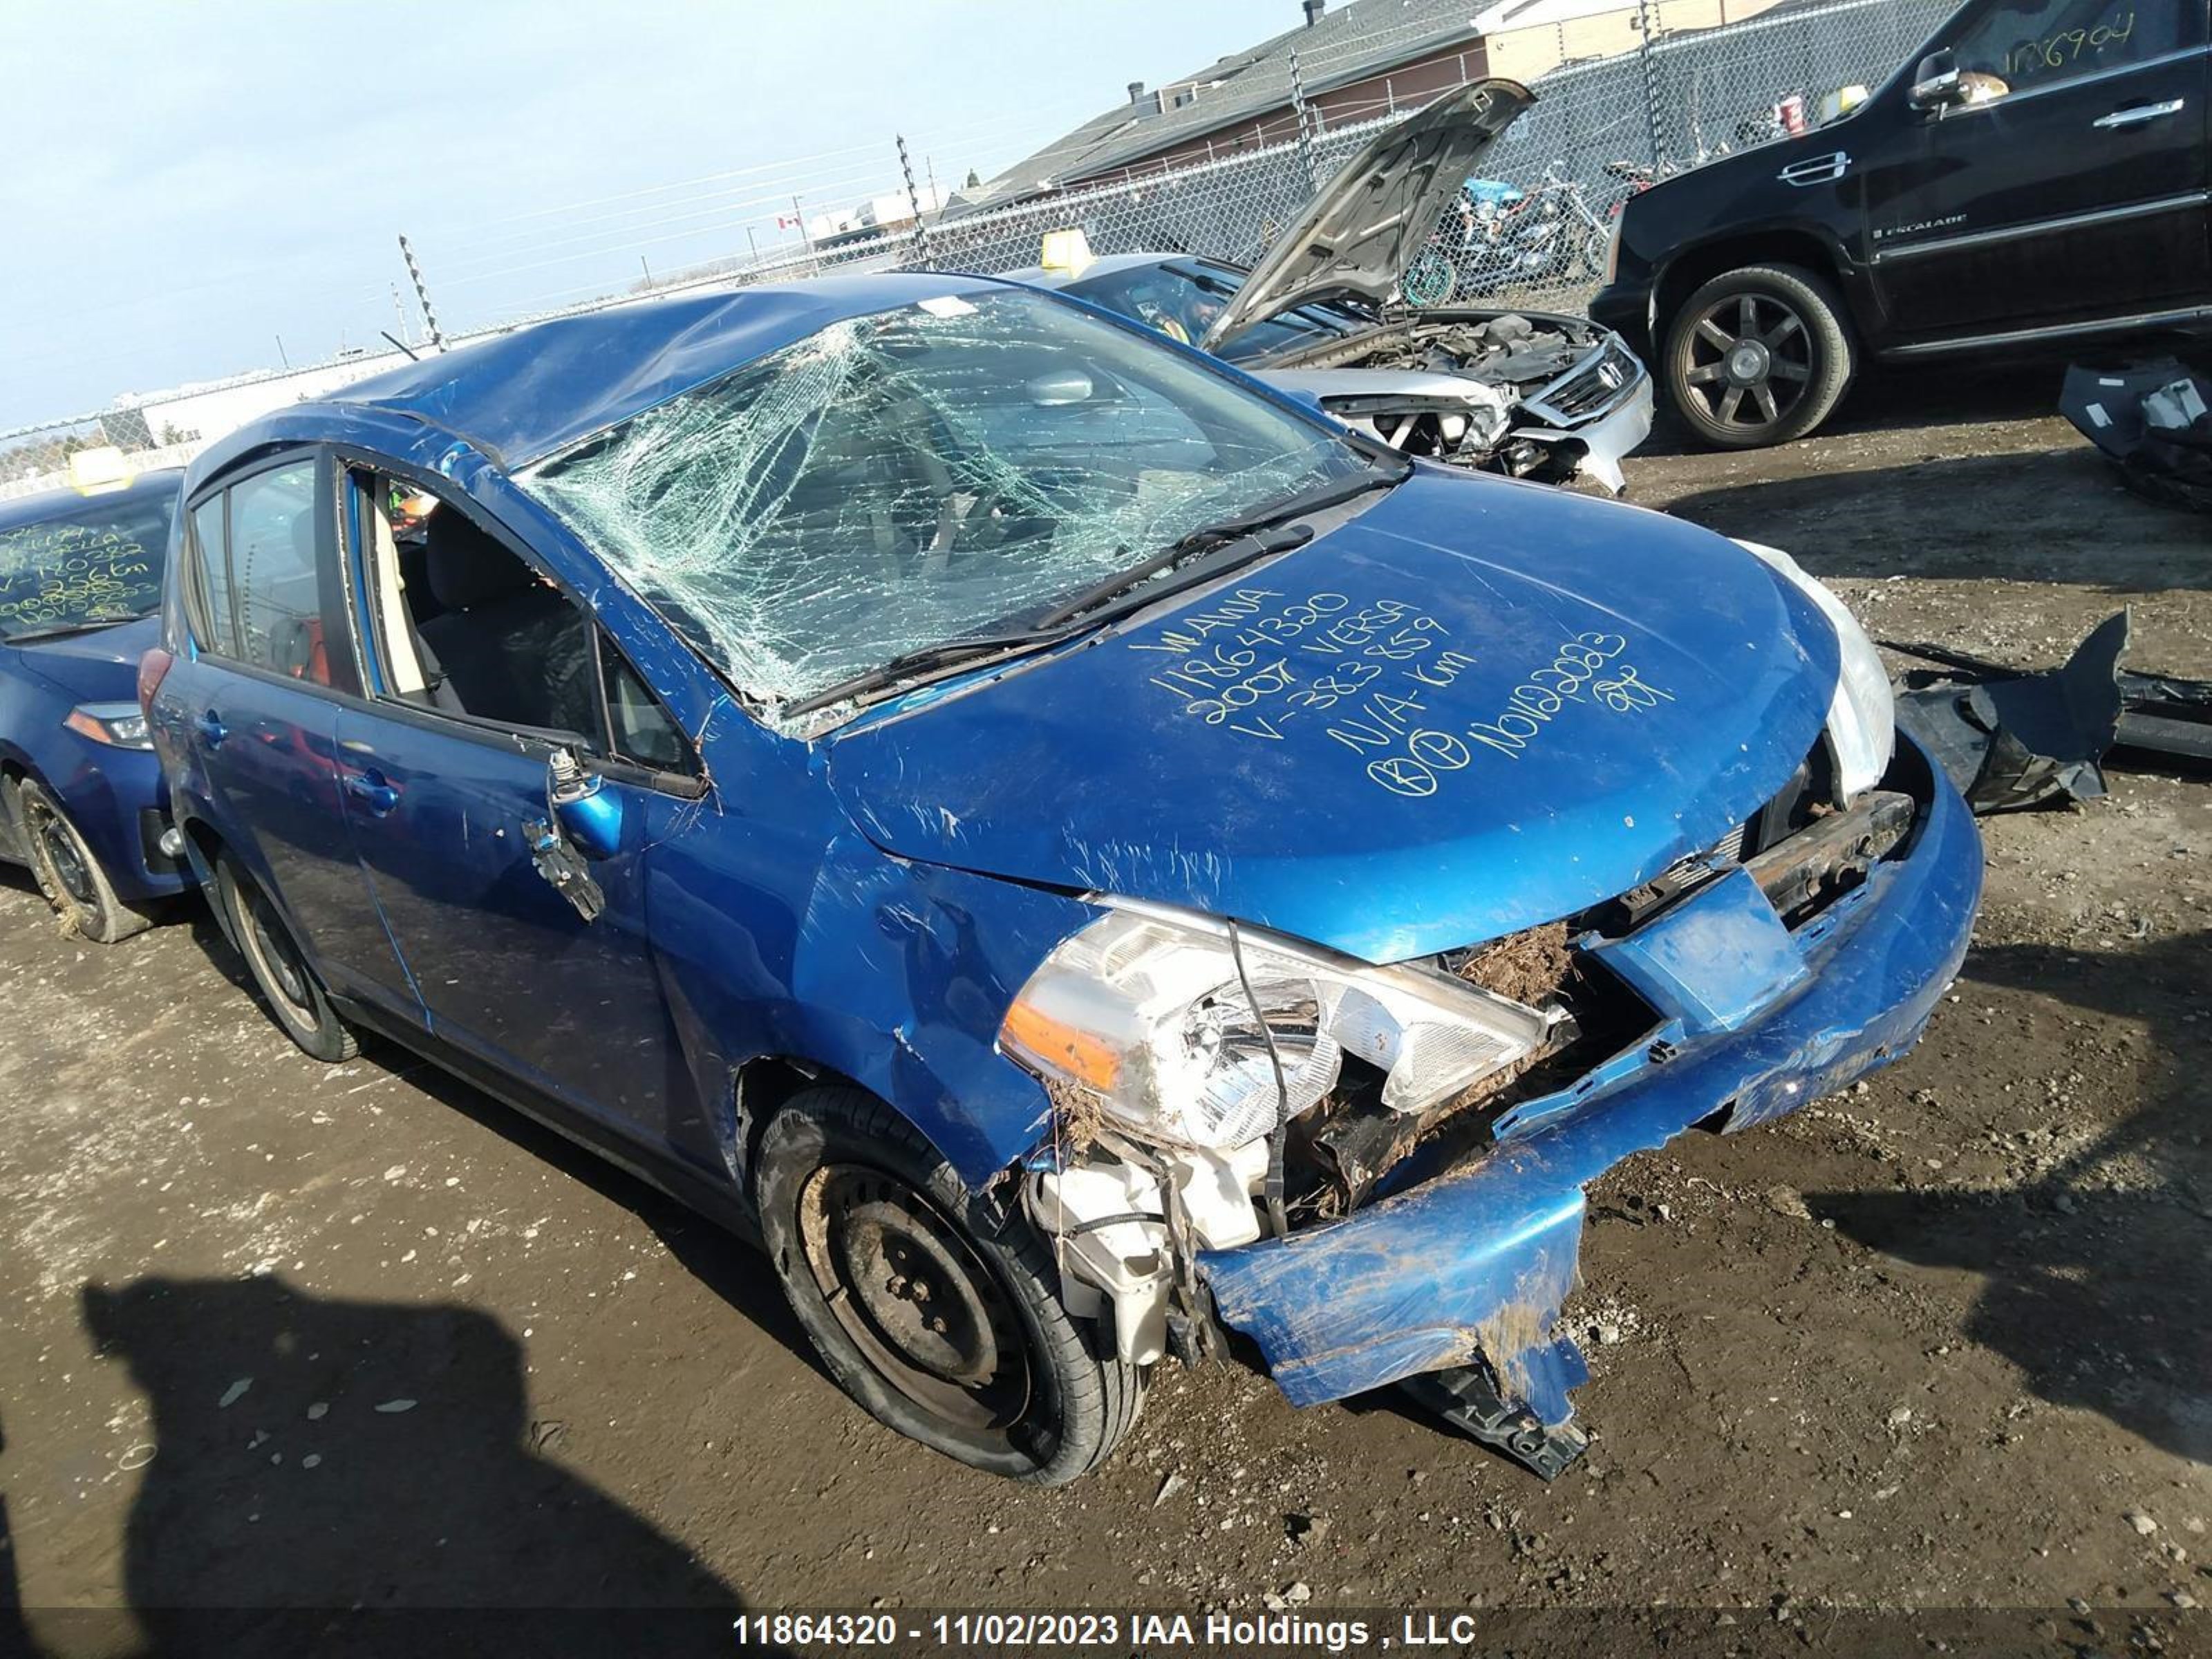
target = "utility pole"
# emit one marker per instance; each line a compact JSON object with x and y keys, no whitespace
{"x":399,"y":314}
{"x":422,"y":294}
{"x":800,"y":213}
{"x":914,"y":204}
{"x":1305,"y":137}
{"x":1647,"y":25}
{"x":753,"y":243}
{"x":647,"y":268}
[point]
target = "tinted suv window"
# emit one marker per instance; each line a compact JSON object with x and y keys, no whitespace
{"x":2026,"y":44}
{"x":276,"y":577}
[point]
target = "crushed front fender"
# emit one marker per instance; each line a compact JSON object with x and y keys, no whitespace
{"x":1475,"y":1260}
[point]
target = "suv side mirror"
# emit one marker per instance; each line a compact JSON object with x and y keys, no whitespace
{"x":1935,"y":83}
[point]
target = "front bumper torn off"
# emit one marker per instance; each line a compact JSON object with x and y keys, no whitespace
{"x":1471,"y":1262}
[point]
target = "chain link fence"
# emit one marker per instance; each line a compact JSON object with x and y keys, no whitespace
{"x":1669,"y":93}
{"x":1599,"y":131}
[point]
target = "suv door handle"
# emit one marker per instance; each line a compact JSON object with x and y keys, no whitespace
{"x":211,"y":729}
{"x":2138,"y":114}
{"x":373,"y":792}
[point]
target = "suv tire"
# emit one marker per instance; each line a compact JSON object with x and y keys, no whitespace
{"x":1759,"y":356}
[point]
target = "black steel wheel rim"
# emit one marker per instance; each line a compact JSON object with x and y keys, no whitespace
{"x":283,"y":973}
{"x":65,"y":857}
{"x":1748,"y":362}
{"x":918,"y":1301}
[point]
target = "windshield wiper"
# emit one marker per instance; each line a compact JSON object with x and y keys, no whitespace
{"x":936,"y":661}
{"x":907,"y":664}
{"x":1245,"y":526}
{"x":91,"y":624}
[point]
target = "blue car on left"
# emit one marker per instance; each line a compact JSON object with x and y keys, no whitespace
{"x":82,"y":799}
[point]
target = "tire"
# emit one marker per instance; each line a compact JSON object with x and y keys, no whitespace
{"x":1016,"y":1386}
{"x":295,"y":998}
{"x":68,"y":873}
{"x":1758,"y":356}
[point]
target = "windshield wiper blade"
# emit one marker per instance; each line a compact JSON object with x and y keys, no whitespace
{"x":909,"y":663}
{"x":88,"y":625}
{"x":1245,"y":526}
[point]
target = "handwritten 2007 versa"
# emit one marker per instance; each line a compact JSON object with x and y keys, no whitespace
{"x":1082,"y":853}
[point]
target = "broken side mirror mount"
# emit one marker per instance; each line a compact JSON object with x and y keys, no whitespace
{"x":589,"y":816}
{"x":1936,"y":84}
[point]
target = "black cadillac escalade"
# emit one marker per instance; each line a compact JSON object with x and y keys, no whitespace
{"x":2040,"y":176}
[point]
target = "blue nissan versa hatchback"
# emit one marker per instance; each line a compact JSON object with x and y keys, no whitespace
{"x":1081,"y":853}
{"x":82,"y":799}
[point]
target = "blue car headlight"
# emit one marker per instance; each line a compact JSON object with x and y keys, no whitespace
{"x":1862,"y":713}
{"x":117,"y":724}
{"x":1144,"y":1015}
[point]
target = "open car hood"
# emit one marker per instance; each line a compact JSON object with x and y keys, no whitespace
{"x":1369,"y":222}
{"x":1475,"y":707}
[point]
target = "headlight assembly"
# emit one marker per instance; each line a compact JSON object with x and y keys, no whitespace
{"x":1144,"y":1014}
{"x":1863,"y":714}
{"x":117,"y":724}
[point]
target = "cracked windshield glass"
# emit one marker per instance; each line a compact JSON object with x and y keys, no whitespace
{"x":942,"y":470}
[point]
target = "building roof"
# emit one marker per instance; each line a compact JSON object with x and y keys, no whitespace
{"x":521,"y":396}
{"x":1347,"y":43}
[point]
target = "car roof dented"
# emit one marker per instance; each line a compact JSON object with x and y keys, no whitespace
{"x":521,"y":396}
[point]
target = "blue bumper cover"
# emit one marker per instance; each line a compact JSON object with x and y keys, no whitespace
{"x":1478,"y":1257}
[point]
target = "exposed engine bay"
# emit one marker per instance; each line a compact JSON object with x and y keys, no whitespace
{"x":1501,"y":393}
{"x":1508,"y":349}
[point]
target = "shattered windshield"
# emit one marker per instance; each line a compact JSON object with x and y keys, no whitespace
{"x":920,"y":476}
{"x":91,"y":564}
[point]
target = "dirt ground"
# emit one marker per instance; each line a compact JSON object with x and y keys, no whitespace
{"x":272,"y":1335}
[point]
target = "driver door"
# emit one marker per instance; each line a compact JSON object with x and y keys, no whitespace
{"x":2069,"y":193}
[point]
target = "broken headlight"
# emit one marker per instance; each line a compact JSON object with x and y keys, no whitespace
{"x":1863,"y":714}
{"x":1146,"y":1015}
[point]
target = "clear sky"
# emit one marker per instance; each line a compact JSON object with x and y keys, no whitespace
{"x":185,"y":183}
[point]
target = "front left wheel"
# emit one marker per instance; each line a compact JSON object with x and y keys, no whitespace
{"x":68,"y":873}
{"x":945,"y":1324}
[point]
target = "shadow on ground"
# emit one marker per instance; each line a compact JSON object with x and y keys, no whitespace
{"x":310,"y":1454}
{"x":1894,"y":400}
{"x":2097,"y":1272}
{"x":2051,"y":516}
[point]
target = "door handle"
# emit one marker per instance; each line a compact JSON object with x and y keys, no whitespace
{"x":373,"y":792}
{"x":2139,"y":113}
{"x":211,"y":729}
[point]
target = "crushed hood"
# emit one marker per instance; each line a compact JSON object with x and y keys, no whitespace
{"x":1477,"y":706}
{"x":1369,"y":221}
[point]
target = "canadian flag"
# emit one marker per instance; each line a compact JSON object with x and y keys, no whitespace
{"x":787,"y":221}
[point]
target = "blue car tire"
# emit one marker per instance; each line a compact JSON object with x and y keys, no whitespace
{"x":940,"y":1317}
{"x":68,"y":873}
{"x":281,"y":974}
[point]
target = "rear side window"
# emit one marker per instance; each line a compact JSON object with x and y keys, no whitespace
{"x":212,"y":565}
